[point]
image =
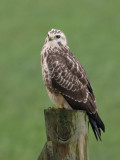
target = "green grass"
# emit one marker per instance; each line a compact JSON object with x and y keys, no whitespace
{"x":93,"y":32}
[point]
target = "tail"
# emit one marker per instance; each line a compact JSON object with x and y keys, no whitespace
{"x":96,"y":124}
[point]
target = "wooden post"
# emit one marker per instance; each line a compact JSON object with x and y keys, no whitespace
{"x":67,"y":135}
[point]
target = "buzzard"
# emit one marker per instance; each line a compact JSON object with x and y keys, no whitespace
{"x":66,"y":81}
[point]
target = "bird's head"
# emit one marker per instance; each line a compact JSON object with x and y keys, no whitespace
{"x":56,"y":38}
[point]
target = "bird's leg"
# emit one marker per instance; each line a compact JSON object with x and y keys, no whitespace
{"x":61,"y":107}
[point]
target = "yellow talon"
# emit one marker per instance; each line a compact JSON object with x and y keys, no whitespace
{"x":54,"y":108}
{"x":61,"y":106}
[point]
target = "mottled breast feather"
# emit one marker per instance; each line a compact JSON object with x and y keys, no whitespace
{"x":69,"y":78}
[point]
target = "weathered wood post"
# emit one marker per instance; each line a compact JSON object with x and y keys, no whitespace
{"x":67,"y":135}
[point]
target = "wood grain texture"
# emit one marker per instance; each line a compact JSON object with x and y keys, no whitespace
{"x":67,"y":135}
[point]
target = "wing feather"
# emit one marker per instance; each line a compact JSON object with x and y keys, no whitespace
{"x":69,"y":78}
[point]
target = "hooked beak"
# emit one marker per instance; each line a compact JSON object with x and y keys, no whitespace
{"x":50,"y":37}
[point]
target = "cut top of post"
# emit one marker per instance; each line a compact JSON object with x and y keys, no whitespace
{"x":67,"y":135}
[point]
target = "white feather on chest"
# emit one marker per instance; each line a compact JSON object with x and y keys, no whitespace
{"x":57,"y":99}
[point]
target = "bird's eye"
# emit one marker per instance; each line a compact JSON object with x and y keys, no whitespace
{"x":58,"y":36}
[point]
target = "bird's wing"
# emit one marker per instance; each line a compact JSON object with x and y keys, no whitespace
{"x":69,"y":78}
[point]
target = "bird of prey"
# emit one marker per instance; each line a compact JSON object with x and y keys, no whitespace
{"x":66,"y":81}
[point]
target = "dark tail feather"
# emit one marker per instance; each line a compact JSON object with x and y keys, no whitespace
{"x":96,"y":124}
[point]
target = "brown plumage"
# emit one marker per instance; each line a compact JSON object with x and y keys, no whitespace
{"x":66,"y":80}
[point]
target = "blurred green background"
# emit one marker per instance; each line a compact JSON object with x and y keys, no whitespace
{"x":93,"y":32}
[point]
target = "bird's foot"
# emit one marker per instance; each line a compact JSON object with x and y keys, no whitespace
{"x":61,"y":107}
